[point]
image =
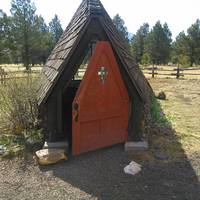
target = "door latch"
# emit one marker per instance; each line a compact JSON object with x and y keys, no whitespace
{"x":76,"y":111}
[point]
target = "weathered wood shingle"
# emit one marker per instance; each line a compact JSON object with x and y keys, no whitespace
{"x":61,"y":53}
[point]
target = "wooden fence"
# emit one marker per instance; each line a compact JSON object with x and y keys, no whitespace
{"x":172,"y":71}
{"x":4,"y":75}
{"x":151,"y":71}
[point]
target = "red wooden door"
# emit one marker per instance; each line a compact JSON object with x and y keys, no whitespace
{"x":101,"y":106}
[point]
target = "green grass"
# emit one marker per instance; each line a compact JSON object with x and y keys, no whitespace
{"x":14,"y":145}
{"x":156,"y":112}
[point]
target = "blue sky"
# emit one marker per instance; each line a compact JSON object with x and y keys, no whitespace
{"x":179,"y":14}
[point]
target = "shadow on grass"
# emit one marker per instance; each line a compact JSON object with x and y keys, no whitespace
{"x":100,"y":173}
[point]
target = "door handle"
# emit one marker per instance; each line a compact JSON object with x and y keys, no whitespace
{"x":76,"y":111}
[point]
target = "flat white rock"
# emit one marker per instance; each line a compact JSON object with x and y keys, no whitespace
{"x":133,"y":168}
{"x":50,"y":156}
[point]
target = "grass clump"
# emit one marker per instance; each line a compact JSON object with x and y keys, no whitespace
{"x":156,"y":112}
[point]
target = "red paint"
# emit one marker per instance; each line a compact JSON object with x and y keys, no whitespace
{"x":103,"y":108}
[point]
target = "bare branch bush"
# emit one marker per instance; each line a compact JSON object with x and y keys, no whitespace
{"x":18,"y":106}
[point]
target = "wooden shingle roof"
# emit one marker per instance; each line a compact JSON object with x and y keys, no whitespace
{"x":62,"y":52}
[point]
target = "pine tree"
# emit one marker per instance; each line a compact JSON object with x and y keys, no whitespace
{"x":43,"y":42}
{"x":159,"y":44}
{"x":7,"y":43}
{"x":180,"y":49}
{"x":138,"y":42}
{"x":120,"y":25}
{"x":55,"y":28}
{"x":23,"y":13}
{"x":186,"y":48}
{"x":194,"y":43}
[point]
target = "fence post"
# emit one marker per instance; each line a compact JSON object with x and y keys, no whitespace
{"x":153,"y":71}
{"x":178,"y":72}
{"x":1,"y":75}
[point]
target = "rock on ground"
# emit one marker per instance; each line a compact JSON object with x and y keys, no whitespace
{"x":50,"y":156}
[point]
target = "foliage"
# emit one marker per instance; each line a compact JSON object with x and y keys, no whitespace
{"x":25,"y":37}
{"x":13,"y":145}
{"x":6,"y":39}
{"x":138,"y":44}
{"x":156,"y":112}
{"x":43,"y":42}
{"x":120,"y":25}
{"x":194,"y":43}
{"x":152,"y":46}
{"x":145,"y":59}
{"x":188,"y":46}
{"x":23,"y":13}
{"x":19,"y":110}
{"x":158,"y":44}
{"x":56,"y":29}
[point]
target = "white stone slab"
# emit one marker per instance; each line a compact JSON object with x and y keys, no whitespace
{"x":136,"y":146}
{"x":56,"y":145}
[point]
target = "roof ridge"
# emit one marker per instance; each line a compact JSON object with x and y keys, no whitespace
{"x":94,"y":5}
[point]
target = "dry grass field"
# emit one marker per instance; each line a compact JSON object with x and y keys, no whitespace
{"x":182,"y":109}
{"x":13,"y":71}
{"x":18,"y":67}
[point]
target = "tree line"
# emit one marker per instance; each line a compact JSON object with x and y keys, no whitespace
{"x":24,"y":35}
{"x":155,"y":46}
{"x":26,"y":38}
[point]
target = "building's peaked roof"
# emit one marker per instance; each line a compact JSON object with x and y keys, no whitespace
{"x":63,"y":50}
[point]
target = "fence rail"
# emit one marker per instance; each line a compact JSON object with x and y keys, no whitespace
{"x":156,"y":71}
{"x":152,"y":71}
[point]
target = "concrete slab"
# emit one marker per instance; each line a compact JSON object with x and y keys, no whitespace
{"x":136,"y":146}
{"x":56,"y":145}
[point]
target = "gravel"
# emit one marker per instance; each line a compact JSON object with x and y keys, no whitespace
{"x":99,"y":175}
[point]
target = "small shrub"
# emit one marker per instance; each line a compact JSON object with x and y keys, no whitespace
{"x":34,"y":135}
{"x":19,"y":110}
{"x":184,"y":60}
{"x":14,"y":145}
{"x":156,"y":112}
{"x":145,"y":59}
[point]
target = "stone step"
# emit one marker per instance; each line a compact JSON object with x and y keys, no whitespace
{"x":50,"y":156}
{"x":136,"y":146}
{"x":56,"y":145}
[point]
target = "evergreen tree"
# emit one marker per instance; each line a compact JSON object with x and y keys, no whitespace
{"x":180,"y":49}
{"x":23,"y":12}
{"x":194,"y":43}
{"x":159,"y":44}
{"x":186,"y":48}
{"x":2,"y":36}
{"x":6,"y":42}
{"x":120,"y":25}
{"x":55,"y":28}
{"x":43,"y":41}
{"x":138,"y":42}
